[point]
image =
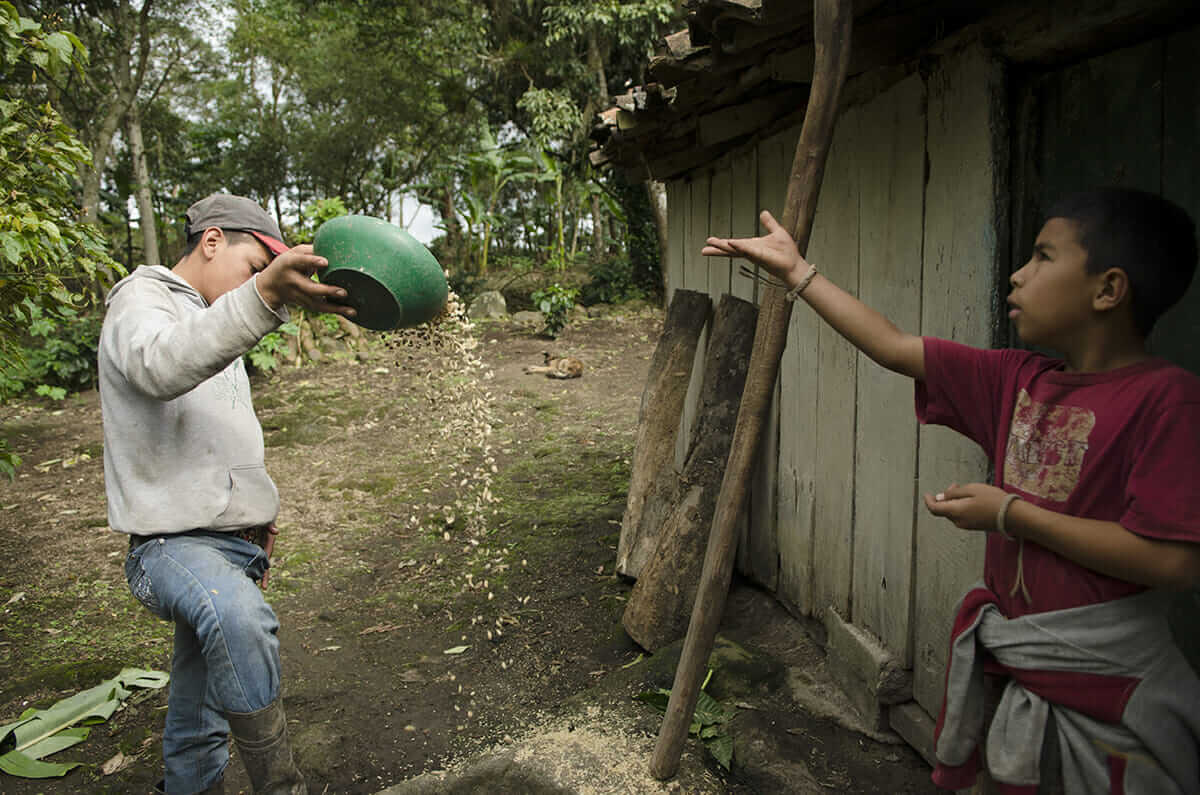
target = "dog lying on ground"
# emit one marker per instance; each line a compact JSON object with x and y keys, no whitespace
{"x":557,"y":367}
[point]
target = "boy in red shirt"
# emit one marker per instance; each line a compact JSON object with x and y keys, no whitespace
{"x":1093,"y":516}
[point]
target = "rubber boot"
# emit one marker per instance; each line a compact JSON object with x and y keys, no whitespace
{"x":262,"y":742}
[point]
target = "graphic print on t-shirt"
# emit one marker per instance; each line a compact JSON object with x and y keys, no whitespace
{"x":1046,"y":446}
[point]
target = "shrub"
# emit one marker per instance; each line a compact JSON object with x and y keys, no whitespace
{"x":554,"y":302}
{"x":9,"y":461}
{"x":612,"y":282}
{"x":57,"y":356}
{"x":264,"y":356}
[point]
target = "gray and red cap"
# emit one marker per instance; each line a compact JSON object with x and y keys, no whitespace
{"x":235,"y":213}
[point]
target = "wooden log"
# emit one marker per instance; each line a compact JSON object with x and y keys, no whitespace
{"x":661,"y":601}
{"x":833,"y":20}
{"x":654,"y":480}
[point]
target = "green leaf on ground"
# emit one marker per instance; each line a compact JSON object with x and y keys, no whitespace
{"x":708,"y":720}
{"x":41,"y":732}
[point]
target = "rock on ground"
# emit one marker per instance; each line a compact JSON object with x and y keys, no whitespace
{"x":489,"y":304}
{"x":528,"y":318}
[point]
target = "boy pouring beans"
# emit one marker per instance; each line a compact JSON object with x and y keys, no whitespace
{"x":185,"y":480}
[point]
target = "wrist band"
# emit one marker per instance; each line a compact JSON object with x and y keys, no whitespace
{"x":1000,"y":528}
{"x":794,"y":293}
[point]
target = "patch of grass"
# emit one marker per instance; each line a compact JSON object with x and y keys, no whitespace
{"x":559,"y":490}
{"x":59,"y":678}
{"x":96,"y":621}
{"x":294,"y":429}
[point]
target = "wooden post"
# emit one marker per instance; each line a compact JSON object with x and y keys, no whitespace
{"x":653,"y":479}
{"x":659,"y":605}
{"x":833,"y":20}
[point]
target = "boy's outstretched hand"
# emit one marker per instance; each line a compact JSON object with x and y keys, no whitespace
{"x":971,"y":507}
{"x":775,"y":251}
{"x":287,"y":280}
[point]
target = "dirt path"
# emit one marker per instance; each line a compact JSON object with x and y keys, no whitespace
{"x":369,"y":602}
{"x":430,"y":606}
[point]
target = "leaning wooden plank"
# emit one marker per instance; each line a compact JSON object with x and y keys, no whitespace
{"x":661,"y":601}
{"x":654,"y":479}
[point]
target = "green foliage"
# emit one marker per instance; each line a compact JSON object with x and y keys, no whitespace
{"x":632,"y":23}
{"x":641,"y":247}
{"x":354,"y":100}
{"x":482,"y":177}
{"x":52,"y":392}
{"x":555,"y":302}
{"x":57,"y":355}
{"x":612,"y":282}
{"x":9,"y":460}
{"x":316,"y":213}
{"x":49,"y":259}
{"x":553,"y":113}
{"x":708,"y":721}
{"x":264,"y":356}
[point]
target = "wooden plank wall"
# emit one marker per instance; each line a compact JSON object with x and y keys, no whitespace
{"x":797,"y":411}
{"x":836,"y":521}
{"x":891,"y":202}
{"x":958,"y":280}
{"x":835,"y":246}
{"x":677,"y":194}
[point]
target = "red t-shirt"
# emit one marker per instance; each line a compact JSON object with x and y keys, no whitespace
{"x":1120,"y":446}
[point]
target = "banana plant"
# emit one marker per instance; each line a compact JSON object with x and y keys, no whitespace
{"x":488,"y":171}
{"x":551,"y":172}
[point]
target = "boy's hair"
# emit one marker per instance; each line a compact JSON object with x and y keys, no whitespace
{"x":233,"y":236}
{"x":1150,"y":238}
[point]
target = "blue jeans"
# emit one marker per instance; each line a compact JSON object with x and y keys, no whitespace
{"x":226,"y":651}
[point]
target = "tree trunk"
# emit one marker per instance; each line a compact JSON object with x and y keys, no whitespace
{"x":657,"y":193}
{"x":597,"y":228}
{"x":127,"y":77}
{"x":661,"y":600}
{"x":141,"y":175}
{"x":653,"y":479}
{"x":596,"y":65}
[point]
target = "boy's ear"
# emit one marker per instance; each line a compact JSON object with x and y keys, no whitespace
{"x":210,"y":240}
{"x":1112,"y":290}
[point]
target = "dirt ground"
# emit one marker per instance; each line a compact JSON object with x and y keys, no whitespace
{"x":444,"y":576}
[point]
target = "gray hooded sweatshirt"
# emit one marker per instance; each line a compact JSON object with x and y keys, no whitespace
{"x":183,"y":449}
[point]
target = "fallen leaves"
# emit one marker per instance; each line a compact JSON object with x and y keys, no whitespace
{"x":380,"y":628}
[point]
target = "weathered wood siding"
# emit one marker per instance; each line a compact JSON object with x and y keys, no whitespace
{"x":834,"y":519}
{"x":960,"y":260}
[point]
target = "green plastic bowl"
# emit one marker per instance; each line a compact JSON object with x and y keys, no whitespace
{"x":391,"y":280}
